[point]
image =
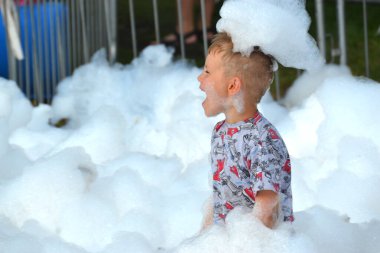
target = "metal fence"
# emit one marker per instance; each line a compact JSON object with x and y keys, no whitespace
{"x":57,"y":36}
{"x":46,"y":40}
{"x":341,"y":51}
{"x":333,"y":52}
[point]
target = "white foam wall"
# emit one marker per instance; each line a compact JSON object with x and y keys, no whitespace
{"x":130,"y":172}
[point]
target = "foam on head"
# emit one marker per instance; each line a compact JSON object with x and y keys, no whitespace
{"x":279,"y":28}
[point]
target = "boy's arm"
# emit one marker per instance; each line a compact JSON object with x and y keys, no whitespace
{"x":208,"y":217}
{"x":267,"y":207}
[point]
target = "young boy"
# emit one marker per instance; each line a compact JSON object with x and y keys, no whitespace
{"x":250,"y":163}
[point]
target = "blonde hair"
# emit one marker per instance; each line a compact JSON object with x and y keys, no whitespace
{"x":255,"y":70}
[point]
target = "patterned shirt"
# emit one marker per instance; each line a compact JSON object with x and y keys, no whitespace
{"x":247,"y":157}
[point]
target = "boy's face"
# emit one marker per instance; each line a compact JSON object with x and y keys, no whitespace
{"x":214,"y":83}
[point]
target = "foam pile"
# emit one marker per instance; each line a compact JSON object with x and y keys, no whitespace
{"x":130,"y":171}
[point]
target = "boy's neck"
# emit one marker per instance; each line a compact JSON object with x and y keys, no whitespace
{"x":233,"y":116}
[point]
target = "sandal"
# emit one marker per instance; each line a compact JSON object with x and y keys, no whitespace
{"x":210,"y":34}
{"x":190,"y":38}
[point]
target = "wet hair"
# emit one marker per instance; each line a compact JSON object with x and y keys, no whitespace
{"x":255,"y":70}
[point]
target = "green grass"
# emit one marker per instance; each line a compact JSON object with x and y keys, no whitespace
{"x":167,"y":15}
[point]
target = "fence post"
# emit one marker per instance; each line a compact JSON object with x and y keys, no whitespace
{"x":342,"y":32}
{"x":156,"y":21}
{"x":84,"y":32}
{"x":133,"y":26}
{"x":277,"y":83}
{"x":180,"y":23}
{"x":320,"y":26}
{"x":204,"y":27}
{"x":11,"y":57}
{"x":36,"y":67}
{"x":366,"y":53}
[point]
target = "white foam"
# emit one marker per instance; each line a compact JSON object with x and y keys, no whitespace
{"x":279,"y":28}
{"x":130,"y":172}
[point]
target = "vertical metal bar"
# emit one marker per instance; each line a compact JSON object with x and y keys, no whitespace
{"x":36,"y":68}
{"x":204,"y":27}
{"x":133,"y":25}
{"x":39,"y":41}
{"x":101,"y":21}
{"x":79,"y":32}
{"x":93,"y":28}
{"x":86,"y":13}
{"x":114,"y":39}
{"x":27,"y":53}
{"x":46,"y":50}
{"x":61,"y":60}
{"x":277,"y":77}
{"x":102,"y":24}
{"x":320,"y":26}
{"x":366,"y":53}
{"x":68,"y":37}
{"x":11,"y":57}
{"x":89,"y":27}
{"x":17,"y":27}
{"x":98,"y":22}
{"x":19,"y":63}
{"x":84,"y":33}
{"x":74,"y":34}
{"x":156,"y":21}
{"x":180,"y":23}
{"x":111,"y":30}
{"x":95,"y":24}
{"x":52,"y":35}
{"x":8,"y":43}
{"x":342,"y":32}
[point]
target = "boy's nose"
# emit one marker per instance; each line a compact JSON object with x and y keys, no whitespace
{"x":200,"y":82}
{"x":199,"y":77}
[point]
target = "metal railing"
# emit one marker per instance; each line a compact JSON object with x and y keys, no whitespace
{"x":56,"y":37}
{"x":341,"y":51}
{"x":157,"y":26}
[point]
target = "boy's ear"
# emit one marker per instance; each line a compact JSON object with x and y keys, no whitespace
{"x":234,"y":86}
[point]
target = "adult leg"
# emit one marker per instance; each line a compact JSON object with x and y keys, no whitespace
{"x":187,"y":11}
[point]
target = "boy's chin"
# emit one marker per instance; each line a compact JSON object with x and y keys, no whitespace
{"x":211,"y":113}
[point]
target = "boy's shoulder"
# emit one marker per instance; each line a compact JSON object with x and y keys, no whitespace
{"x":270,"y":136}
{"x":264,"y":129}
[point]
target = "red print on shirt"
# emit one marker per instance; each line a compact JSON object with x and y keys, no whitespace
{"x":232,"y":131}
{"x":287,"y":166}
{"x":248,"y":162}
{"x":229,"y":206}
{"x":259,"y":175}
{"x":249,"y":193}
{"x":216,"y":176}
{"x":234,"y":170}
{"x":273,"y":134}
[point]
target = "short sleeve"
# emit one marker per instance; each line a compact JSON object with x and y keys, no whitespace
{"x":268,"y":160}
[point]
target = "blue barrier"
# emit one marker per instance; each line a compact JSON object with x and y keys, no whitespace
{"x":46,"y":44}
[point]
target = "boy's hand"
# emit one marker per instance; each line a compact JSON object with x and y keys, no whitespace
{"x":208,"y":218}
{"x":267,"y":207}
